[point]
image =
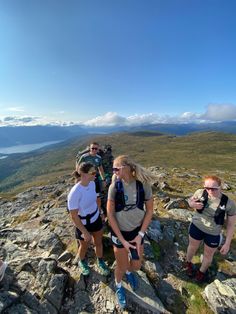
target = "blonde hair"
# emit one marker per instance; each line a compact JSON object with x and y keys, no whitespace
{"x":213,"y":178}
{"x":138,"y":172}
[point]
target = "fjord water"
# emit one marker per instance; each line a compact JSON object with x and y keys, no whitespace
{"x":25,"y":148}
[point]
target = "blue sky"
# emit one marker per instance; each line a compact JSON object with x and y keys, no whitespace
{"x":117,"y":61}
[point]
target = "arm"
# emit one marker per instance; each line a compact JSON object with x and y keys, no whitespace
{"x":113,"y":223}
{"x":78,"y":224}
{"x":229,"y":234}
{"x":146,"y":221}
{"x":101,"y":171}
{"x":193,"y":202}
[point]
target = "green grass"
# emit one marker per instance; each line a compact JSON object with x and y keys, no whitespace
{"x":207,"y":152}
{"x":196,"y":303}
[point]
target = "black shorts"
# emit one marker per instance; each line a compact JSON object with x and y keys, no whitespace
{"x":128,"y":236}
{"x":209,"y":239}
{"x":97,"y":225}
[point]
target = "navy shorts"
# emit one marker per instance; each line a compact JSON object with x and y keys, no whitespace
{"x":97,"y":225}
{"x":209,"y":239}
{"x":128,"y":236}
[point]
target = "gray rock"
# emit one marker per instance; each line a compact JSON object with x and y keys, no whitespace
{"x":7,"y":298}
{"x":51,"y":242}
{"x":178,"y":203}
{"x":144,"y":300}
{"x":154,"y":231}
{"x":21,"y":309}
{"x":55,"y":292}
{"x":182,"y":214}
{"x":221,"y":296}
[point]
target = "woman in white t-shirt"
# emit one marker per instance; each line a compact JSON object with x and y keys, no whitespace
{"x":86,"y":216}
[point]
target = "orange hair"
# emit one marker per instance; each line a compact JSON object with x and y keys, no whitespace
{"x":213,"y":178}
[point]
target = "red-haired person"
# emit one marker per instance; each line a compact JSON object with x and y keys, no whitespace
{"x":212,"y":208}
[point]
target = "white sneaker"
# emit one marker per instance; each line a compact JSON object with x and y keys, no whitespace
{"x":2,"y":270}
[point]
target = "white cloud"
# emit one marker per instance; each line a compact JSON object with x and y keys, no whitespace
{"x":15,"y":109}
{"x":214,"y":112}
{"x":220,"y":112}
{"x":109,"y":119}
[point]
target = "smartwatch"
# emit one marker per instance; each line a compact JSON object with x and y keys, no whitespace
{"x":142,"y":234}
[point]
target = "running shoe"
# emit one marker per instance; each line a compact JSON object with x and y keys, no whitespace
{"x":132,"y":281}
{"x":120,"y":294}
{"x":103,"y":267}
{"x":84,"y":267}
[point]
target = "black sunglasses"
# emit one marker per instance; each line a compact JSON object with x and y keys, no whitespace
{"x":211,"y":189}
{"x":94,"y":148}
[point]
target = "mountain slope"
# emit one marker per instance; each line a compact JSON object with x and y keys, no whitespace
{"x":208,"y":151}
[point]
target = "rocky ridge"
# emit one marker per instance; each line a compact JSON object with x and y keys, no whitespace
{"x":37,"y":241}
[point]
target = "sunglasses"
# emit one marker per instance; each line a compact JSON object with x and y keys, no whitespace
{"x":94,"y":148}
{"x":211,"y":189}
{"x":116,"y":169}
{"x":92,"y":172}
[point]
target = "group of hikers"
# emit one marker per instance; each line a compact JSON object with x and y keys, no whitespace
{"x":129,"y":210}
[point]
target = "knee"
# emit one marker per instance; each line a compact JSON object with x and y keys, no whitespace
{"x":136,"y":266}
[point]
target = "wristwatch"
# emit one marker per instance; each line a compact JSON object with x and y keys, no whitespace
{"x":142,"y":234}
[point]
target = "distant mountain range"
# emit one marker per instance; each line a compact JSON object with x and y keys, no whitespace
{"x":20,"y":135}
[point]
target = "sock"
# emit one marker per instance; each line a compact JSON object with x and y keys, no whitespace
{"x":118,"y":284}
{"x":127,"y":272}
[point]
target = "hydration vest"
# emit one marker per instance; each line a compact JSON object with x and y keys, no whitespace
{"x":120,"y":198}
{"x":220,"y":211}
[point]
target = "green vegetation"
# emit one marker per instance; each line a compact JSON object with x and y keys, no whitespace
{"x":208,"y":151}
{"x":196,"y":303}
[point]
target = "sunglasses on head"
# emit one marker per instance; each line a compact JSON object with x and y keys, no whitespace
{"x":94,"y":148}
{"x":211,"y":189}
{"x":115,"y":169}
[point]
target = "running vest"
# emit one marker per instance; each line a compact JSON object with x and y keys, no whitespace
{"x":120,"y":198}
{"x":220,"y":211}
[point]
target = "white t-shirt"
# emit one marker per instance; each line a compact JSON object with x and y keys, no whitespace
{"x":84,"y":199}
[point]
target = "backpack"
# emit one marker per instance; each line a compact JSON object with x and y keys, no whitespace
{"x":120,"y":198}
{"x":220,"y":211}
{"x":81,"y":152}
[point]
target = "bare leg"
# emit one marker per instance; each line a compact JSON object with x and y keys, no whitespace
{"x":97,"y":239}
{"x":83,"y":247}
{"x":136,"y":264}
{"x":122,"y":263}
{"x":192,"y":248}
{"x":207,"y":257}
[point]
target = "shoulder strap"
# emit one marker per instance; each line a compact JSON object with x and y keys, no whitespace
{"x":140,"y":194}
{"x":205,"y":198}
{"x":223,"y":200}
{"x":119,"y":197}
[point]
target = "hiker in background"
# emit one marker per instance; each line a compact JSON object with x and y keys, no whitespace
{"x":107,"y":163}
{"x":86,"y":216}
{"x":211,"y":206}
{"x":129,"y":212}
{"x":3,"y":266}
{"x":96,"y":160}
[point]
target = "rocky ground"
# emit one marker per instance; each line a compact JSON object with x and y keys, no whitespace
{"x":37,"y":241}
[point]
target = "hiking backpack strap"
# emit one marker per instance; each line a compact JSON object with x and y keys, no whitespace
{"x":140,"y":195}
{"x":203,"y":200}
{"x":120,"y":198}
{"x":220,"y":211}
